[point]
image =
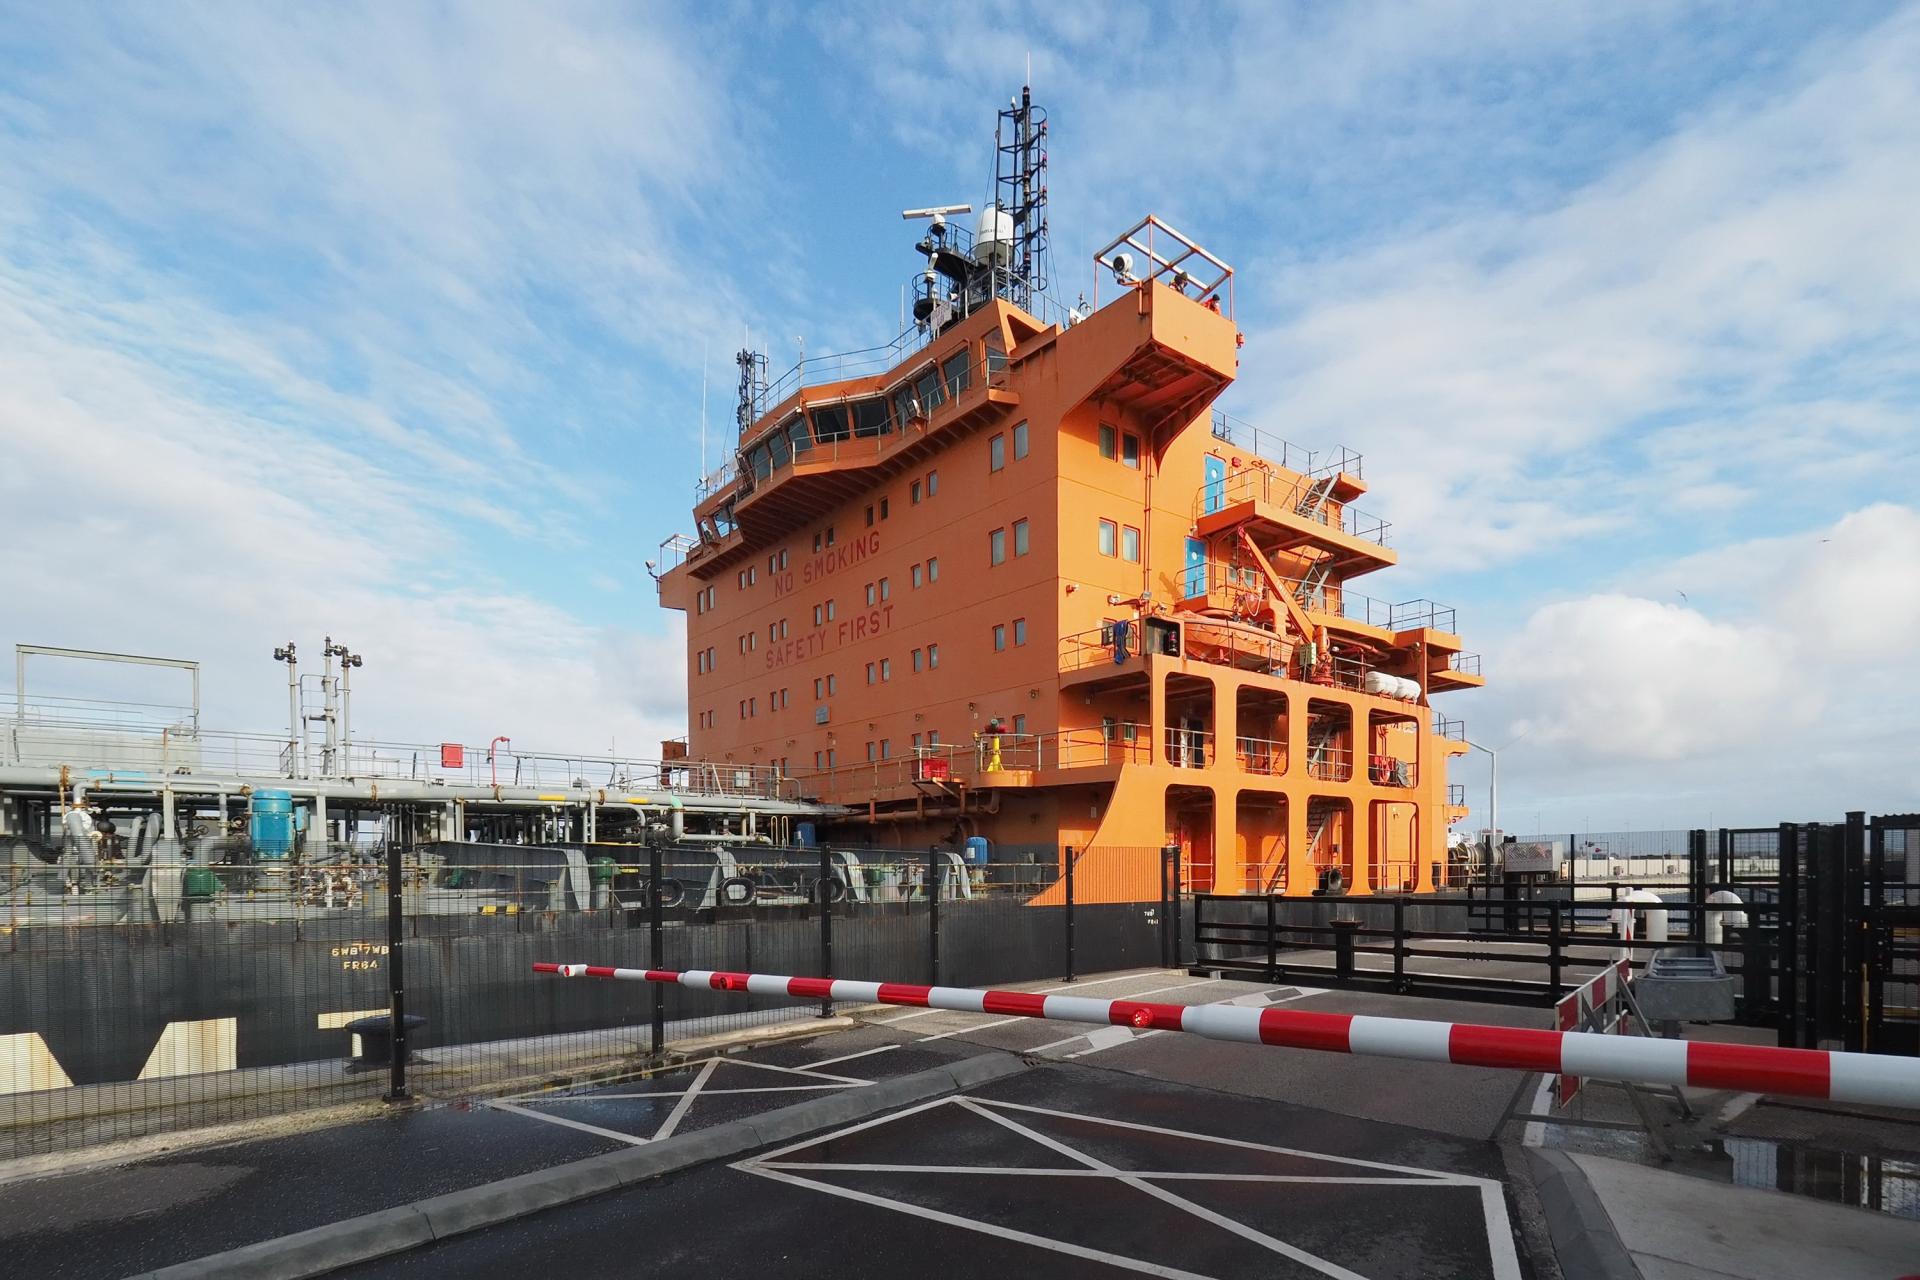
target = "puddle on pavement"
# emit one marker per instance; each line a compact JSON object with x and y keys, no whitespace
{"x":1882,"y":1184}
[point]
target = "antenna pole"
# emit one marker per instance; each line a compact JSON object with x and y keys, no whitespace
{"x":703,"y":410}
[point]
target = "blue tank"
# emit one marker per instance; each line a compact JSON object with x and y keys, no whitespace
{"x":803,"y":835}
{"x":271,"y":825}
{"x":976,"y":851}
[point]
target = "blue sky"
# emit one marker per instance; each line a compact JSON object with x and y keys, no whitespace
{"x":390,"y":320}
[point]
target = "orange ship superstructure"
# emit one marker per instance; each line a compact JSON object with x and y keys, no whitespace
{"x":1023,"y":581}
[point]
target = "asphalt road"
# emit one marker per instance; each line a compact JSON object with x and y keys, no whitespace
{"x":1067,"y":1170}
{"x":116,"y":1221}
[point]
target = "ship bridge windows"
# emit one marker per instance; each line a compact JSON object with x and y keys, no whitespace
{"x":760,"y":461}
{"x":799,"y":439}
{"x":931,"y":391}
{"x":870,"y":417}
{"x":830,"y":423}
{"x":780,"y":449}
{"x":957,"y":372}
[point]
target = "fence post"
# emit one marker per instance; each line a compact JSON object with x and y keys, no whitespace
{"x":1555,"y":955}
{"x":396,"y":974}
{"x":656,"y":946}
{"x":823,"y":890}
{"x":1179,"y":896}
{"x":1857,"y":916}
{"x":933,"y":916}
{"x":1166,"y":912}
{"x":1399,"y":944}
{"x":1697,"y":884}
{"x":1273,"y":940}
{"x":1792,"y":1031}
{"x":1069,"y":878}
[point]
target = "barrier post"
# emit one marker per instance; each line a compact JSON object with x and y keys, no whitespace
{"x":1069,"y":879}
{"x":823,"y":891}
{"x":933,"y":916}
{"x":1343,"y":931}
{"x":396,"y":975}
{"x":656,"y":946}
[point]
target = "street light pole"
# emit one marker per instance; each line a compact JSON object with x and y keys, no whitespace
{"x":1493,"y":790}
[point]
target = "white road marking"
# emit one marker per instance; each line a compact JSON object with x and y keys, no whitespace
{"x":1039,"y":991}
{"x":675,"y":1093}
{"x":848,"y":1057}
{"x":570,"y":1124}
{"x":1205,"y":1214}
{"x":1001,"y":1022}
{"x":1535,"y":1134}
{"x":1244,"y":1001}
{"x":1504,"y":1261}
{"x":969,"y":1224}
{"x":679,"y":1111}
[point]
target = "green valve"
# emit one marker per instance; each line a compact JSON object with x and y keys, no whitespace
{"x":603,"y":869}
{"x":199,"y":884}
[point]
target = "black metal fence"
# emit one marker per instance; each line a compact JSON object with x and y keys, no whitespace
{"x":234,"y":993}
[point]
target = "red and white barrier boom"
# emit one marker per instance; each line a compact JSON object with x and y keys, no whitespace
{"x":1813,"y":1073}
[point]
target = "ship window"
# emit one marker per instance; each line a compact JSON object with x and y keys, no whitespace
{"x":1019,"y":630}
{"x":798,"y":437}
{"x":999,"y":636}
{"x":870,"y":417}
{"x":1109,"y":441}
{"x":930,"y":391}
{"x":883,"y":508}
{"x":816,"y":759}
{"x":816,"y":541}
{"x":870,"y":594}
{"x":829,"y":611}
{"x":886,"y":748}
{"x":933,"y":656}
{"x":869,"y":515}
{"x":829,"y":535}
{"x":869,"y":751}
{"x":883,"y":589}
{"x":870,"y":673}
{"x":1019,"y":537}
{"x":781,"y":448}
{"x":913,"y":493}
{"x":918,"y":574}
{"x":886,"y":669}
{"x":933,"y":737}
{"x":916,"y":659}
{"x":997,"y":453}
{"x":1020,"y":724}
{"x":1130,"y":450}
{"x":997,"y":546}
{"x":819,"y":688}
{"x":833,"y":685}
{"x":1109,"y":535}
{"x":1130,"y":544}
{"x":933,"y":483}
{"x":933,"y":569}
{"x":959,"y":374}
{"x":996,"y":357}
{"x":1019,"y":439}
{"x":916,"y":743}
{"x":830,"y":423}
{"x":761,"y":461}
{"x":819,"y":614}
{"x":903,"y":404}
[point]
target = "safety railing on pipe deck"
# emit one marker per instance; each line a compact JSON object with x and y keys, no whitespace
{"x":1455,"y":730}
{"x":1465,"y":663}
{"x":44,"y":740}
{"x":1304,"y":497}
{"x":1456,"y":794}
{"x":1244,"y":586}
{"x":1238,"y":645}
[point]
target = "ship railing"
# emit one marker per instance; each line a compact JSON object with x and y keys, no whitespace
{"x":674,"y":551}
{"x":1385,"y":770}
{"x":1244,"y":587}
{"x":1455,"y":730}
{"x":1239,"y":645}
{"x":1465,"y":663}
{"x":1330,"y":763}
{"x":1121,"y":742}
{"x":1457,"y":794}
{"x":1187,"y":748}
{"x":1264,"y":756}
{"x":1098,"y":646}
{"x":1313,"y":463}
{"x":1304,"y":496}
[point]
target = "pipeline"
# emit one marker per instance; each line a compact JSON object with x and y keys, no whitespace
{"x":1869,"y":1079}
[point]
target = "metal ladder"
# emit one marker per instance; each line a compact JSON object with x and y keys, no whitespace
{"x":1313,"y":503}
{"x":1312,"y":591}
{"x":1320,"y":815}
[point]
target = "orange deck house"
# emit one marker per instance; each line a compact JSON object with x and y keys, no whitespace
{"x":1018,"y":578}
